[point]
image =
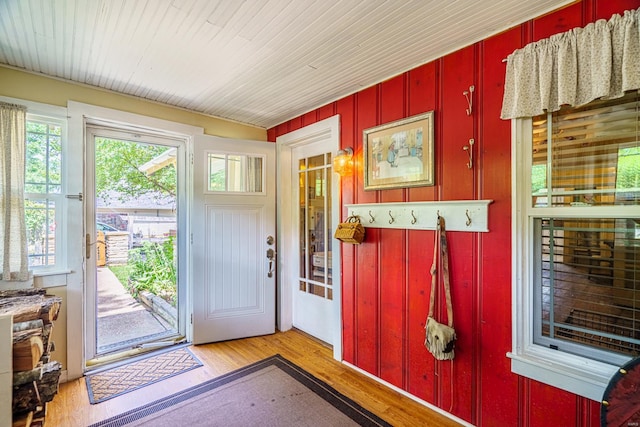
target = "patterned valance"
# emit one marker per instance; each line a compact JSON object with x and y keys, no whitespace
{"x":601,"y":60}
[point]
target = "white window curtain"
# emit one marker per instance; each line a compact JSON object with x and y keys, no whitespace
{"x":601,"y":60}
{"x":13,"y":234}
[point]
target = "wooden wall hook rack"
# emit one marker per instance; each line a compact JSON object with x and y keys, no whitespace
{"x":459,"y":215}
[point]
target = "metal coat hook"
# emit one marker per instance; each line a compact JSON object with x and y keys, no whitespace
{"x":468,"y":218}
{"x":413,"y":218}
{"x":469,"y":95}
{"x":371,"y":218}
{"x":392,"y":218}
{"x":469,"y":150}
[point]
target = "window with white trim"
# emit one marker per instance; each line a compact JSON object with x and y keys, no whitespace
{"x":577,"y":244}
{"x":44,"y":195}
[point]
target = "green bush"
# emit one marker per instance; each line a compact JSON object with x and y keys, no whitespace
{"x":153,"y":269}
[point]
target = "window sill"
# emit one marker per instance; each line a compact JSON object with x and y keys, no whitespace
{"x":51,"y":278}
{"x":583,"y":377}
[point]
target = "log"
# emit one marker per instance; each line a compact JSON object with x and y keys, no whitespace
{"x":35,"y":378}
{"x":46,"y":336}
{"x":31,"y":307}
{"x":39,"y":416}
{"x":25,"y":335}
{"x":31,"y":324}
{"x":27,"y":377}
{"x":27,"y":353}
{"x":23,"y":420}
{"x":22,"y":292}
{"x":32,"y":396}
{"x":50,"y":308}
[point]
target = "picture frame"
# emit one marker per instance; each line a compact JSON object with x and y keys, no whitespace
{"x":399,"y":154}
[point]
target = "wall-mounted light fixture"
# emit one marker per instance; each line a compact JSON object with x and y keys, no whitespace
{"x":343,"y":162}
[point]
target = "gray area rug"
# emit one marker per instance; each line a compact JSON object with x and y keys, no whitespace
{"x":272,"y":392}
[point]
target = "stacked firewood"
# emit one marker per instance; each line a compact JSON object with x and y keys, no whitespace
{"x":35,"y":375}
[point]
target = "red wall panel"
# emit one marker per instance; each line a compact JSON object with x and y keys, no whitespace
{"x":326,"y":111}
{"x":367,"y":285}
{"x":605,"y":8}
{"x":386,"y":280}
{"x":420,"y":375}
{"x":423,"y":97}
{"x":551,"y":405}
{"x":421,"y":380}
{"x":295,"y":124}
{"x":457,"y":183}
{"x":392,"y":257}
{"x":494,"y":164}
{"x":346,"y":109}
{"x":558,"y":22}
{"x":309,"y":118}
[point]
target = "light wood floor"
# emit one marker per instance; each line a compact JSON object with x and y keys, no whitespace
{"x":71,"y":406}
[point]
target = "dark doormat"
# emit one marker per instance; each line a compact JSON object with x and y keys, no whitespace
{"x":116,"y":381}
{"x":272,"y":392}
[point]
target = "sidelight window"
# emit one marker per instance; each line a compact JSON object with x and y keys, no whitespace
{"x":44,"y":197}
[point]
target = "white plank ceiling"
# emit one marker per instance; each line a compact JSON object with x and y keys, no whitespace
{"x":259,"y":62}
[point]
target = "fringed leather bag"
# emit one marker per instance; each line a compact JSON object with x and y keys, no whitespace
{"x":440,"y":338}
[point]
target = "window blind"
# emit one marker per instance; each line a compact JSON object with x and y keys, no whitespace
{"x":589,"y":282}
{"x":594,"y":154}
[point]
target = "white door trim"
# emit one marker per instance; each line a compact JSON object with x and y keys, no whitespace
{"x":79,"y":113}
{"x":327,"y":130}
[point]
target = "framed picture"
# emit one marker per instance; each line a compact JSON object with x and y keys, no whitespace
{"x":399,"y":154}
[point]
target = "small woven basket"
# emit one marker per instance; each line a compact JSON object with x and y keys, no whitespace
{"x":350,"y":231}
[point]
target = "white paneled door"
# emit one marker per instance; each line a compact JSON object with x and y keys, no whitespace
{"x":233,"y":249}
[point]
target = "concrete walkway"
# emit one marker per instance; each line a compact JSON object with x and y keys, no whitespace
{"x":122,"y":321}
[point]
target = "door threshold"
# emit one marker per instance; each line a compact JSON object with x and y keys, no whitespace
{"x":107,"y":349}
{"x":127,"y":356}
{"x":311,"y":337}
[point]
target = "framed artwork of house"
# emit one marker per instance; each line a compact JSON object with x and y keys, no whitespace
{"x":399,"y":154}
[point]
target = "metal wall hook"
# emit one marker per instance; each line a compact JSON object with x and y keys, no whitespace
{"x":413,"y":218}
{"x":469,"y":150}
{"x":468,"y":218}
{"x":392,"y":218}
{"x":371,"y":218}
{"x":469,"y":95}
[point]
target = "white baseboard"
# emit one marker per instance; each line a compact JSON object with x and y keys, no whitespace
{"x":410,"y":396}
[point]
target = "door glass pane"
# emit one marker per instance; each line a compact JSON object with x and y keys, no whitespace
{"x":135,"y":247}
{"x":315,"y":161}
{"x":235,"y":173}
{"x":327,"y":237}
{"x":315,"y":225}
{"x":303,"y":222}
{"x":217,"y":172}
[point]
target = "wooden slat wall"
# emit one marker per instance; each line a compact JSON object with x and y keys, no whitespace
{"x":386,"y":283}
